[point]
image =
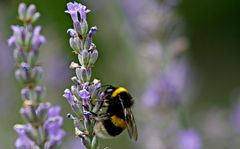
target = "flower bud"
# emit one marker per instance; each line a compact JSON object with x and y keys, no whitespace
{"x":25,"y":66}
{"x":95,"y":88}
{"x":21,"y":75}
{"x":99,"y":103}
{"x":87,"y":121}
{"x":36,"y":73}
{"x":92,"y":47}
{"x":32,"y":57}
{"x":42,"y":136}
{"x":18,"y":55}
{"x":77,"y":26}
{"x":81,"y":74}
{"x":89,"y":73}
{"x":40,"y":92}
{"x":75,"y":91}
{"x":80,"y":59}
{"x":28,"y":112}
{"x":68,"y":95}
{"x":21,"y":11}
{"x":25,"y":94}
{"x":92,"y":31}
{"x":74,"y":103}
{"x":31,"y":132}
{"x":30,"y":11}
{"x":42,"y":111}
{"x":77,"y":107}
{"x":72,"y":32}
{"x":74,"y":65}
{"x":35,"y":17}
{"x":85,"y":58}
{"x":76,"y":122}
{"x":84,"y":138}
{"x":75,"y":80}
{"x":28,"y":38}
{"x":73,"y":44}
{"x":93,"y":58}
{"x":84,"y":27}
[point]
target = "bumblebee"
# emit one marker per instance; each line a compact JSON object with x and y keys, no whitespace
{"x":119,"y":115}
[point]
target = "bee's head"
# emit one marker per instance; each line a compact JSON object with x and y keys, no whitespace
{"x":109,"y":91}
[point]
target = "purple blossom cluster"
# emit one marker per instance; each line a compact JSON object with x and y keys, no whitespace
{"x":47,"y":133}
{"x":161,"y":48}
{"x":84,"y":94}
{"x":43,"y":121}
{"x":168,"y":89}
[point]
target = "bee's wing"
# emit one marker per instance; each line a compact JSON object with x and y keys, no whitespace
{"x":131,"y":124}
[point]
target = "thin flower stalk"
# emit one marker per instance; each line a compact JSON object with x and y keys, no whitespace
{"x":84,"y":95}
{"x":42,"y":129}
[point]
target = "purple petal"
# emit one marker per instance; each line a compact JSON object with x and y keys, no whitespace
{"x":72,"y":32}
{"x":37,"y":39}
{"x":11,"y":40}
{"x":73,"y":10}
{"x":84,"y":94}
{"x":68,"y":95}
{"x":23,"y":141}
{"x":83,"y":12}
{"x":92,"y":31}
{"x":54,"y":111}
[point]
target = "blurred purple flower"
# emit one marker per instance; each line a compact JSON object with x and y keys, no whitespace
{"x":23,"y":142}
{"x":53,"y":126}
{"x":169,"y":88}
{"x":17,"y":37}
{"x":22,"y":36}
{"x":189,"y":139}
{"x":54,"y":111}
{"x":27,"y":40}
{"x":37,"y":39}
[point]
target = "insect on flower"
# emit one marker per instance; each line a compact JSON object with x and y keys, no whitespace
{"x":118,"y":115}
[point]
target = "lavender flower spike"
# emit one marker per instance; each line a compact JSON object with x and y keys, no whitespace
{"x":84,"y":92}
{"x":43,"y":121}
{"x":75,"y":9}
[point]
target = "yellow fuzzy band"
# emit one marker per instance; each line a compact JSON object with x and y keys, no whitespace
{"x":118,"y":91}
{"x":118,"y":121}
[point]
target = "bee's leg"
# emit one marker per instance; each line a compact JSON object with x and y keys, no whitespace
{"x":102,"y":116}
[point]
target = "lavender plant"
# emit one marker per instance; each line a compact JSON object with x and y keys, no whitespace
{"x":84,"y":96}
{"x":161,"y":47}
{"x":42,"y":129}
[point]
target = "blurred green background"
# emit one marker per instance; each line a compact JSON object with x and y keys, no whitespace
{"x":213,"y":29}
